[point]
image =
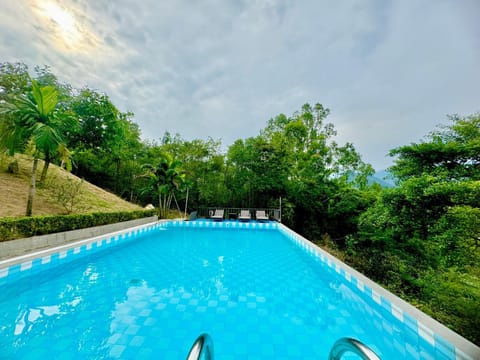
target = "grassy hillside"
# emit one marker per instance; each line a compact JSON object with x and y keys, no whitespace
{"x":62,"y":192}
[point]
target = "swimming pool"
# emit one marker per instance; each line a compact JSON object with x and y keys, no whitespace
{"x":260,"y":290}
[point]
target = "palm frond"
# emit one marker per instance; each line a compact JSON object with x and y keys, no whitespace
{"x":46,"y":138}
{"x":46,"y":98}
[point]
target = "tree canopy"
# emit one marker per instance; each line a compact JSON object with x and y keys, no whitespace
{"x":425,"y":233}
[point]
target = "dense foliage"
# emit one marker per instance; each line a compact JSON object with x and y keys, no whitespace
{"x":423,"y":237}
{"x":420,"y":239}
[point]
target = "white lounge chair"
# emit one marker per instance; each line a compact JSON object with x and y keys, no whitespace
{"x":218,"y":215}
{"x":260,"y":215}
{"x":244,"y":215}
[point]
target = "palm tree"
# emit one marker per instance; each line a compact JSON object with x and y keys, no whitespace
{"x":34,"y":116}
{"x":165,"y":178}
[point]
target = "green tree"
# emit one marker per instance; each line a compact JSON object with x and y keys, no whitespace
{"x":97,"y":120}
{"x":164,"y":178}
{"x":36,"y":117}
{"x":435,"y":175}
{"x":452,"y":152}
{"x":203,"y":164}
{"x":106,"y":143}
{"x":296,"y":158}
{"x":424,"y":233}
{"x":14,"y":81}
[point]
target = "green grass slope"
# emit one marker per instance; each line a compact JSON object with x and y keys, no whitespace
{"x":62,"y":192}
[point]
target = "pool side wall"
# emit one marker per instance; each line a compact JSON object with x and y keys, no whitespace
{"x":18,"y":247}
{"x":447,"y":343}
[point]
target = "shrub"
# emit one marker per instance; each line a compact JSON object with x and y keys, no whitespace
{"x":14,"y":228}
{"x":452,"y":297}
{"x":13,"y":167}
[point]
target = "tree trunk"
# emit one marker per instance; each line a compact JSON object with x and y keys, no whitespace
{"x":161,"y":205}
{"x":117,"y":175}
{"x":45,"y":167}
{"x":186,"y":205}
{"x":31,"y":191}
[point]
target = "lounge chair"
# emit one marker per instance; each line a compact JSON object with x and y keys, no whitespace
{"x":277,"y":216}
{"x":218,"y":215}
{"x":260,"y":215}
{"x":244,"y":215}
{"x":193,"y":216}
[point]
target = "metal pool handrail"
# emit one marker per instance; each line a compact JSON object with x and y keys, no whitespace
{"x":203,"y":345}
{"x":345,"y":344}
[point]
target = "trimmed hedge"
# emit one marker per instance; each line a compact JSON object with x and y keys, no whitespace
{"x":15,"y":228}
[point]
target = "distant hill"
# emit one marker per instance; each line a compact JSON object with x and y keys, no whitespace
{"x":62,"y":192}
{"x":383,"y":178}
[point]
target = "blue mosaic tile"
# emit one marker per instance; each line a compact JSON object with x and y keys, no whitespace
{"x":157,"y":311}
{"x":14,"y":271}
{"x":443,"y":349}
{"x":368,"y":291}
{"x":410,"y":322}
{"x":386,"y":304}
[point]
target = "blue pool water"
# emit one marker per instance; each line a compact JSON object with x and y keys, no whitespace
{"x":256,"y":292}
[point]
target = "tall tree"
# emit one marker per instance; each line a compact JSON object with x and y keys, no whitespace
{"x":203,"y":164}
{"x":105,"y":143}
{"x":164,"y":178}
{"x":36,"y":117}
{"x":423,"y":234}
{"x":296,"y":158}
{"x":452,"y":152}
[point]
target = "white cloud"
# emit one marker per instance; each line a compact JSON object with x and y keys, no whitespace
{"x":389,"y":70}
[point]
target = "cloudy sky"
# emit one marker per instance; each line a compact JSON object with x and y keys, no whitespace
{"x":389,"y":70}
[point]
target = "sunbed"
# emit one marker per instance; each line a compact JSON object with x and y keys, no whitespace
{"x":218,"y":215}
{"x":244,"y":215}
{"x":260,"y":215}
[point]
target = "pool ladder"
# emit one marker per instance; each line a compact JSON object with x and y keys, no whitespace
{"x":346,"y":344}
{"x":204,"y":346}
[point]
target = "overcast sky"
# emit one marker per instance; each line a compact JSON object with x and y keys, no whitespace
{"x":390,"y":71}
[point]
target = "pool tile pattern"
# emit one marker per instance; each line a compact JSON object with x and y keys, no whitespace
{"x":90,"y":246}
{"x":145,"y":310}
{"x":418,"y":332}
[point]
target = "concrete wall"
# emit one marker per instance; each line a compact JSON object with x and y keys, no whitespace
{"x":17,"y":247}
